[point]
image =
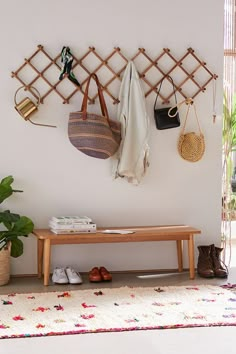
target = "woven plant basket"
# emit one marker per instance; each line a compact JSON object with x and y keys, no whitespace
{"x":5,"y":255}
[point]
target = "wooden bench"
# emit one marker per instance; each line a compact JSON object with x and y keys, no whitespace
{"x":178,"y":233}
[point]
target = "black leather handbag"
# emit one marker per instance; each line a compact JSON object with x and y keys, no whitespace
{"x":163,"y":118}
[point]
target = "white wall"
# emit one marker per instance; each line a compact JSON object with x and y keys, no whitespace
{"x":58,"y":179}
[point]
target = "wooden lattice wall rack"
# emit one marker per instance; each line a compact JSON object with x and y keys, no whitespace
{"x":153,"y":70}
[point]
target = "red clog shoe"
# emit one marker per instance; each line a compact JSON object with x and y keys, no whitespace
{"x":95,"y":275}
{"x":105,"y":275}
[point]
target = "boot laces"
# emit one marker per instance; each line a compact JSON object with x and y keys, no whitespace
{"x":206,"y":262}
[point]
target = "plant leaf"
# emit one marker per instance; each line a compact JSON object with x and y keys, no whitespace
{"x":7,"y":180}
{"x":17,"y":248}
{"x":23,"y":226}
{"x":5,"y":192}
{"x":15,"y":224}
{"x":7,"y":218}
{"x":6,"y":189}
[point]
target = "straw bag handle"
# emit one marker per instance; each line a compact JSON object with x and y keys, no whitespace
{"x":100,"y":95}
{"x":190,"y":102}
{"x":177,"y":106}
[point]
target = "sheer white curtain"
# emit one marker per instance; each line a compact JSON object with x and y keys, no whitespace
{"x":230,"y":48}
{"x":228,"y":211}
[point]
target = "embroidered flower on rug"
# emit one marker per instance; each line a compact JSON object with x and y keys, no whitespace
{"x":192,"y":288}
{"x":39,"y":325}
{"x":65,"y":294}
{"x":207,"y":300}
{"x":18,"y":318}
{"x":228,"y":286}
{"x":132,"y":295}
{"x":175,"y":303}
{"x":131,"y":320}
{"x":230,"y":308}
{"x":31,"y":297}
{"x":232,"y":299}
{"x":232,"y":315}
{"x":157,"y":304}
{"x":59,"y":320}
{"x":87,"y":306}
{"x":3,"y":326}
{"x":11,"y":295}
{"x":79,"y":325}
{"x":159,"y":290}
{"x":195,"y":317}
{"x":41,"y":309}
{"x":5,"y":302}
{"x":98,"y":293}
{"x":59,"y":307}
{"x":87,"y":317}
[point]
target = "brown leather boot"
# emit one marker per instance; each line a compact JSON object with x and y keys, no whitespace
{"x":220,"y":269}
{"x":205,"y":264}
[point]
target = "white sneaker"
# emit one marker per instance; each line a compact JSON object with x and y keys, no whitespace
{"x":59,"y":276}
{"x":73,"y":276}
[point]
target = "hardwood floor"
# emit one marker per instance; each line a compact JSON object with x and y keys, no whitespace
{"x":33,"y":284}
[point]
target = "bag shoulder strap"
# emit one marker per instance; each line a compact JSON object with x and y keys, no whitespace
{"x":158,"y":92}
{"x":190,"y":102}
{"x":100,"y":95}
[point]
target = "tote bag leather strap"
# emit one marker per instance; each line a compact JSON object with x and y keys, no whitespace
{"x":100,"y":95}
{"x":158,"y":92}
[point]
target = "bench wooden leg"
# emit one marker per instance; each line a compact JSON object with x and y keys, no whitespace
{"x":40,"y":257}
{"x":46,"y":265}
{"x":179,"y":244}
{"x":191,"y":257}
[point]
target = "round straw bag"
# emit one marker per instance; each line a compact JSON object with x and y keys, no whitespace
{"x":191,"y":146}
{"x":5,"y":254}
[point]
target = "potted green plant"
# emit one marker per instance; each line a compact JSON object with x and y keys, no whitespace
{"x":229,"y":170}
{"x":12,"y":227}
{"x":229,"y":132}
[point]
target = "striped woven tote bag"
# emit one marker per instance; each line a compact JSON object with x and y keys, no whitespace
{"x":93,"y":134}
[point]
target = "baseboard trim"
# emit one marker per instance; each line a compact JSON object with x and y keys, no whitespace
{"x":131,"y":271}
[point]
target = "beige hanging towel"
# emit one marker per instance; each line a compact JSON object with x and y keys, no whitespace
{"x":132,"y":157}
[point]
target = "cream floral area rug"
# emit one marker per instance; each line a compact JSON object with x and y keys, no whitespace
{"x":117,"y":309}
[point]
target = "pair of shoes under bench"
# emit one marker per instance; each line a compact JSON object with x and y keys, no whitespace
{"x":65,"y":276}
